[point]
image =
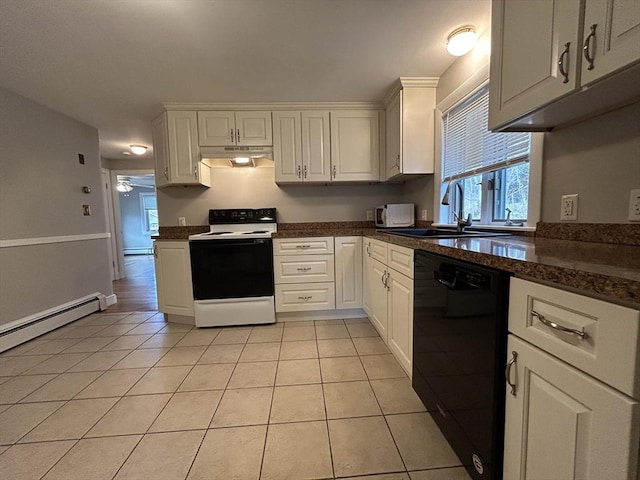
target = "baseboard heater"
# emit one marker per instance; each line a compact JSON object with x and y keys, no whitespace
{"x":19,"y":331}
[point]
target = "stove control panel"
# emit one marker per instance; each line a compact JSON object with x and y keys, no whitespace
{"x":242,"y":215}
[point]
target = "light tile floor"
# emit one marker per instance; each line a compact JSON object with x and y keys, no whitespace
{"x":128,"y":396}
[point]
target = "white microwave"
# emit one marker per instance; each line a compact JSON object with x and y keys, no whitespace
{"x":395,"y":215}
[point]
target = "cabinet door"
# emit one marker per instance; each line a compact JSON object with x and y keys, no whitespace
{"x":376,"y":274}
{"x":366,"y":282}
{"x":348,"y":271}
{"x":564,"y":424}
{"x":216,"y":129}
{"x":161,"y":150}
{"x":394,"y":135}
{"x":184,"y":151}
{"x":173,"y":277}
{"x":400,"y":318}
{"x":316,"y":154}
{"x":287,"y":147}
{"x":254,"y":128}
{"x":615,"y":42}
{"x":528,"y":39}
{"x":355,"y":145}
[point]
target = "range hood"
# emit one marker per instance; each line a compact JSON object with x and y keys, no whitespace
{"x":236,"y":156}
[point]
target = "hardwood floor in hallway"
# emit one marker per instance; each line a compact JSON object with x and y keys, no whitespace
{"x":137,"y":291}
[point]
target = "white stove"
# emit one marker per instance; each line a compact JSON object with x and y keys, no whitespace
{"x":232,"y":268}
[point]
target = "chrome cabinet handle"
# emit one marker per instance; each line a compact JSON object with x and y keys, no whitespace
{"x":586,"y":48}
{"x":299,"y":172}
{"x":384,"y":279}
{"x":369,"y":249}
{"x":238,"y":135}
{"x":583,"y":335}
{"x":166,"y":173}
{"x":507,"y":372}
{"x":195,"y":171}
{"x":304,"y":299}
{"x":303,"y":269}
{"x":303,"y":246}
{"x":305,"y":172}
{"x":563,"y":55}
{"x":155,"y":252}
{"x":334,"y":171}
{"x":232,"y":135}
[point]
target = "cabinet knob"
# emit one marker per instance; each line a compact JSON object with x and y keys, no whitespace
{"x":587,"y":46}
{"x":305,"y":172}
{"x":299,"y":173}
{"x":238,"y":135}
{"x":334,"y":171}
{"x":232,"y":135}
{"x":561,"y":60}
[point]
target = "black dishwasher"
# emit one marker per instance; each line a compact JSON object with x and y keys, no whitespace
{"x":459,"y":350}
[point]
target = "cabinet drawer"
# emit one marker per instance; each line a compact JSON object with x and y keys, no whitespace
{"x":302,"y":246}
{"x":305,"y":297}
{"x":303,"y":268}
{"x":376,"y":249}
{"x":611,"y":332}
{"x":400,"y":259}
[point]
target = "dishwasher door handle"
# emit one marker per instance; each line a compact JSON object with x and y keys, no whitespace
{"x":447,"y":283}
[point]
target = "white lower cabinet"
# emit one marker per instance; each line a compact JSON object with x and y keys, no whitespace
{"x":173,"y":277}
{"x":309,"y":276}
{"x":388,"y":296}
{"x":348,"y":272}
{"x":562,"y":424}
{"x":572,"y":404}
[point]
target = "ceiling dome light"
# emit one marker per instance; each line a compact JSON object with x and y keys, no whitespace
{"x":461,"y":40}
{"x":138,"y":149}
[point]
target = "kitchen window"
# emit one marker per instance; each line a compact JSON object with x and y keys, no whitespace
{"x":149,"y":209}
{"x":494,"y":170}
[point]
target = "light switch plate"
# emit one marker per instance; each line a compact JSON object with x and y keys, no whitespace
{"x":569,"y":207}
{"x":369,"y":215}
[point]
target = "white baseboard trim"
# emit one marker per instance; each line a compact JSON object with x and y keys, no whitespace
{"x":320,"y":315}
{"x":19,"y":331}
{"x":109,"y":300}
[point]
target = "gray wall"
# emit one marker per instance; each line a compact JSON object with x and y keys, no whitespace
{"x":255,"y":187}
{"x":131,"y":217}
{"x":599,"y":160}
{"x":41,"y":195}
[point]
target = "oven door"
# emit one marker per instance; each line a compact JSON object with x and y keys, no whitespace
{"x":239,"y":268}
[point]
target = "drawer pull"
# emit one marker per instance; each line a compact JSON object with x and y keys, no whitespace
{"x":309,"y":297}
{"x":560,"y":328}
{"x":303,"y":269}
{"x":507,"y":372}
{"x":303,"y":246}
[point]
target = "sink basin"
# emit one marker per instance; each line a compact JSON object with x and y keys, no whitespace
{"x":440,"y":233}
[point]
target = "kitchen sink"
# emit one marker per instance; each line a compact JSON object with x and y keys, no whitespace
{"x":440,"y":233}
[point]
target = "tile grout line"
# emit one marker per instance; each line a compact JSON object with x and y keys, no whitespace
{"x":326,"y":415}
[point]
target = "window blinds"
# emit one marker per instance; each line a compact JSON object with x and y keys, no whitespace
{"x":469,"y":148}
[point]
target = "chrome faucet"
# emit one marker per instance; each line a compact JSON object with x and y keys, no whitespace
{"x":461,"y":222}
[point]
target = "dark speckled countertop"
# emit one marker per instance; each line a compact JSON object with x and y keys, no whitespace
{"x":604,"y":270}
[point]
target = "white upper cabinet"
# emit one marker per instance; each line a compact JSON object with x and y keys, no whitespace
{"x":355,"y":145}
{"x":220,"y":129}
{"x":301,"y":150}
{"x":611,"y":37}
{"x":533,"y":43}
{"x":543,"y":59}
{"x":410,"y":127}
{"x":176,"y":150}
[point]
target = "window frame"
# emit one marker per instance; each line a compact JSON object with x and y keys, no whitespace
{"x":443,"y":215}
{"x":144,"y":213}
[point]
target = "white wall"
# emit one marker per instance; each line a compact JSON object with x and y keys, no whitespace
{"x":599,"y":160}
{"x":41,"y":195}
{"x":255,"y":188}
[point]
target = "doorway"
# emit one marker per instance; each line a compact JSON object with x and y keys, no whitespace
{"x":136,"y":220}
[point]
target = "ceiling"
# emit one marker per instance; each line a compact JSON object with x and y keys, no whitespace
{"x":113,"y":63}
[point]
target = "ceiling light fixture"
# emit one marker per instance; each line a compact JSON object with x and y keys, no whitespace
{"x":123,"y":187}
{"x":138,"y":149}
{"x":461,"y":40}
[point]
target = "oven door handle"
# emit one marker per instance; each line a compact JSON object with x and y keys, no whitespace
{"x":225,"y":243}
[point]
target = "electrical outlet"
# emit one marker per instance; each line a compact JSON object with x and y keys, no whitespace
{"x":569,"y":207}
{"x":423,"y":215}
{"x":86,"y":210}
{"x":369,"y":215}
{"x":634,"y":205}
